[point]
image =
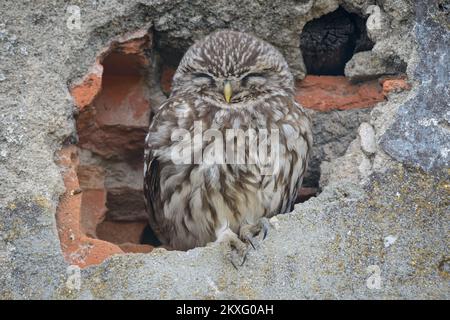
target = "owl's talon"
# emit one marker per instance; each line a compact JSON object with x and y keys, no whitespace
{"x":233,"y":264}
{"x":248,"y":232}
{"x":249,"y":239}
{"x":231,"y":240}
{"x":265,"y":225}
{"x":243,"y":260}
{"x":229,"y":256}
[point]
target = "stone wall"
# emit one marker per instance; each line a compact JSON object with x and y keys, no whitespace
{"x":381,"y":153}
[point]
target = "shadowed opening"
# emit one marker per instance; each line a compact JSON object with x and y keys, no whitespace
{"x":329,"y":42}
{"x":111,"y":133}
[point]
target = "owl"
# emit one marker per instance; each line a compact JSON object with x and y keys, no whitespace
{"x":228,"y":149}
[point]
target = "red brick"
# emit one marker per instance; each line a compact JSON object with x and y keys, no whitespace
{"x":325,"y":93}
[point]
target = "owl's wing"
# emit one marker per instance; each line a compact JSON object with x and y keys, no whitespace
{"x":152,"y":166}
{"x":303,"y":123}
{"x":151,"y":185}
{"x":157,"y":141}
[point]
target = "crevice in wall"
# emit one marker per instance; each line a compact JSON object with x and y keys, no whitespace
{"x":344,"y":80}
{"x":102,"y":211}
{"x":107,"y":213}
{"x":168,"y":60}
{"x":328,"y":42}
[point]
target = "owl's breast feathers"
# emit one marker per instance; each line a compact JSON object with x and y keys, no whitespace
{"x":190,"y":200}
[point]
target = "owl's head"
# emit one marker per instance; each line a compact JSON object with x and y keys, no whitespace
{"x":233,"y":68}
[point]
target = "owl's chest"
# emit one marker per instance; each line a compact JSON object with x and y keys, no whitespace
{"x":250,"y":179}
{"x":247,"y":191}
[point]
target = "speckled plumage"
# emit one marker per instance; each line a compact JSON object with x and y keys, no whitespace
{"x":190,"y":205}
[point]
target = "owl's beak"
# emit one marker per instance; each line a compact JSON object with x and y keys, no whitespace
{"x":227,"y":91}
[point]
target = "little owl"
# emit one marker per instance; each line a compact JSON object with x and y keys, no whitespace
{"x":227,"y":82}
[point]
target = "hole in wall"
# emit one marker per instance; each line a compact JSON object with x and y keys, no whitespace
{"x":102,"y":212}
{"x":111,"y":133}
{"x":168,"y":60}
{"x":328,"y":42}
{"x":103,"y":171}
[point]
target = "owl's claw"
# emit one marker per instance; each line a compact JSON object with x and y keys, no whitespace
{"x":245,"y":259}
{"x":232,"y":241}
{"x":249,"y":239}
{"x":232,"y":263}
{"x":242,"y":243}
{"x":265,"y":225}
{"x":248,"y":232}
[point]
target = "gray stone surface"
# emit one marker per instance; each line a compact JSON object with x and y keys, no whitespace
{"x":326,"y":248}
{"x":333,"y":131}
{"x":367,"y":65}
{"x":378,"y":23}
{"x":367,"y":137}
{"x":179,"y":23}
{"x":389,"y":26}
{"x":322,"y":250}
{"x":420,"y":134}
